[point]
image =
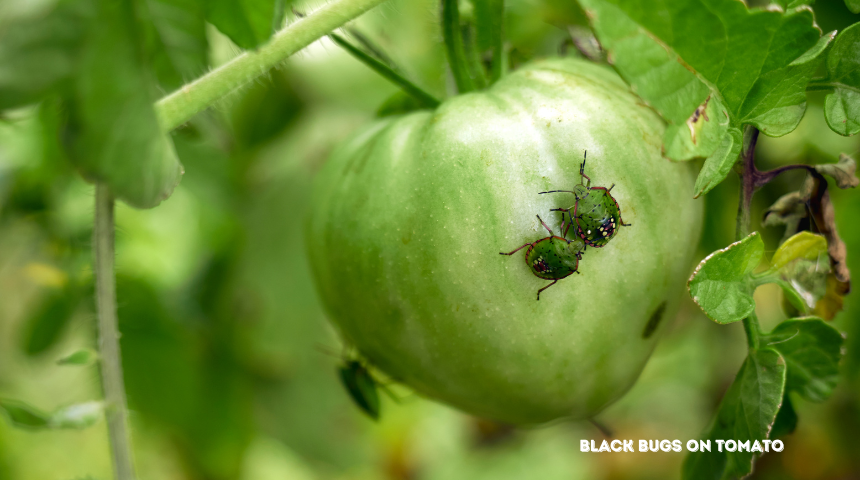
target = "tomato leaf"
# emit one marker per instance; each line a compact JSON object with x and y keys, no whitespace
{"x":45,"y":327}
{"x":811,"y":349}
{"x":786,"y":419}
{"x":721,"y":287}
{"x":746,"y":413}
{"x":76,"y":416}
{"x":114,"y":135}
{"x":248,"y":23}
{"x":853,"y":5}
{"x":802,"y":245}
{"x":843,"y":172}
{"x":842,"y":106}
{"x":720,"y":163}
{"x":755,"y":64}
{"x":22,"y":415}
{"x":81,"y":357}
{"x":37,"y":53}
{"x":176,"y":39}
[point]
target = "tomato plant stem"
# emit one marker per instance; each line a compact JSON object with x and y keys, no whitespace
{"x":116,"y":412}
{"x":454,"y":46}
{"x":388,"y":72}
{"x":179,"y":106}
{"x":747,"y":189}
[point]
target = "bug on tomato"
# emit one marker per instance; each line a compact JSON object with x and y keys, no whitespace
{"x":361,"y":386}
{"x":552,"y":257}
{"x":595,"y":214}
{"x":359,"y":382}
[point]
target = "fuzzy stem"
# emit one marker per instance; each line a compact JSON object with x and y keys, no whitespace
{"x":747,"y":189}
{"x":179,"y":106}
{"x":387,"y":72}
{"x":454,"y":46}
{"x":111,"y":362}
{"x":748,"y":183}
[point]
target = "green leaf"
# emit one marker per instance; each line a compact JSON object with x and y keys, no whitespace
{"x":46,"y":325}
{"x":248,"y":23}
{"x":719,"y":164}
{"x":113,"y":133}
{"x":853,"y":5}
{"x":81,"y":415}
{"x":81,"y":357}
{"x":802,"y":245}
{"x":843,"y":171}
{"x":786,"y":419}
{"x":77,"y":416}
{"x":794,"y":298}
{"x":700,"y":134}
{"x":721,"y":287}
{"x":842,"y":106}
{"x":811,"y":349}
{"x":175,"y":32}
{"x":746,"y":413}
{"x":37,"y":53}
{"x":22,"y":415}
{"x":753,"y":65}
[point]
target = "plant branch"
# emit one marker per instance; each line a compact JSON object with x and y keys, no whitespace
{"x":179,"y":106}
{"x":386,"y":71}
{"x":116,"y":412}
{"x":747,"y":189}
{"x":454,"y":46}
{"x":748,"y":186}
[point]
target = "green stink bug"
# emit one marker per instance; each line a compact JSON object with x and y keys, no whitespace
{"x":361,"y":386}
{"x":595,"y":214}
{"x":552,"y":257}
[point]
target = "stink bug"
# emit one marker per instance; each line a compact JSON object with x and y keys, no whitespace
{"x":359,"y":383}
{"x":361,"y":386}
{"x":552,"y":257}
{"x":595,"y":214}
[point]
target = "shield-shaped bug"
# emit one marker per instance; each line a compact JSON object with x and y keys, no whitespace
{"x":552,"y":257}
{"x":595,"y":215}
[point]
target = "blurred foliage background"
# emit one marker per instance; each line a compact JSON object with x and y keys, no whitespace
{"x":222,"y":329}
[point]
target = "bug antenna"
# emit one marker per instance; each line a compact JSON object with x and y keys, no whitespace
{"x":610,"y":188}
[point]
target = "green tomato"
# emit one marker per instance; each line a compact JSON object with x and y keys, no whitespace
{"x":411,"y":213}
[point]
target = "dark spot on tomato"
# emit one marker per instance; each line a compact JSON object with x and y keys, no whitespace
{"x":654,"y":321}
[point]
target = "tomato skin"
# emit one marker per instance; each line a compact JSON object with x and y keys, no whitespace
{"x":411,"y":213}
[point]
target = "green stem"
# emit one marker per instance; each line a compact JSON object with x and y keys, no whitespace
{"x":489,"y":19}
{"x":454,"y":46}
{"x":476,"y":68}
{"x":179,"y":106}
{"x":752,"y":329}
{"x":747,"y":189}
{"x":389,"y":73}
{"x":111,"y":362}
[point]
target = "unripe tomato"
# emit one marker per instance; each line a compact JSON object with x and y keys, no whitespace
{"x":411,"y":213}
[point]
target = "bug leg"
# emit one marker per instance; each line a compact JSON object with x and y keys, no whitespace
{"x":544,"y":288}
{"x":609,"y":189}
{"x":517,"y":250}
{"x":557,"y":191}
{"x":544,"y":225}
{"x":626,"y":224}
{"x":582,"y":170}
